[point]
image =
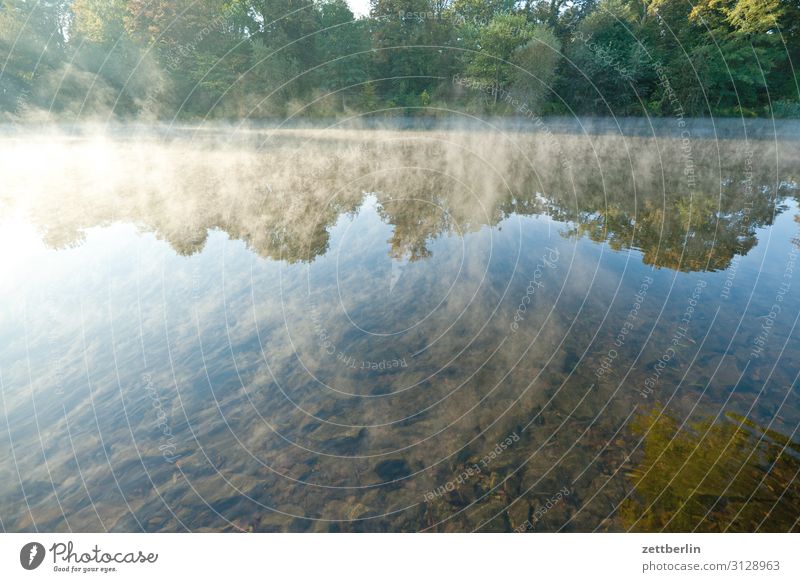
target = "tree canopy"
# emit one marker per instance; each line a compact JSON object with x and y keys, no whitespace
{"x":230,"y":59}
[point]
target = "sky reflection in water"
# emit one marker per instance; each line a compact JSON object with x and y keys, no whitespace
{"x":395,"y":331}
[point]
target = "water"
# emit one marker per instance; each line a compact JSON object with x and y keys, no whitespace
{"x":344,"y":330}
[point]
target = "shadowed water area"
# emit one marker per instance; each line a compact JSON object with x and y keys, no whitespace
{"x":443,"y":330}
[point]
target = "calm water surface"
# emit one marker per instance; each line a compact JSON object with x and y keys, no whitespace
{"x":342,"y":330}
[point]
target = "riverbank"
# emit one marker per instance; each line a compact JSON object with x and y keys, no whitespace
{"x":694,"y":128}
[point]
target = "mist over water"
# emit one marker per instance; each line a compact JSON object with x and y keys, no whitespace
{"x":443,"y":328}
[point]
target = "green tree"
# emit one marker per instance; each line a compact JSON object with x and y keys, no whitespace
{"x":610,"y":61}
{"x":498,"y":42}
{"x":109,"y":71}
{"x":537,"y":61}
{"x":287,"y":28}
{"x":407,"y":35}
{"x":479,"y":12}
{"x":772,"y":27}
{"x":343,"y":46}
{"x":32,"y":45}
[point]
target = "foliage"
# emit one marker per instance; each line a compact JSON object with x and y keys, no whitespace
{"x":264,"y":58}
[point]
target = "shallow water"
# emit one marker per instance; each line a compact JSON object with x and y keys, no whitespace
{"x":346,"y":330}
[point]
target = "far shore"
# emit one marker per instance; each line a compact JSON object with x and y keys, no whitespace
{"x":693,"y":128}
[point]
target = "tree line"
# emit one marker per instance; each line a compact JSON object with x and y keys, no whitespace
{"x":260,"y":59}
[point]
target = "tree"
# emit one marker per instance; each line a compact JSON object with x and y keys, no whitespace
{"x":479,"y":12}
{"x":342,"y":46}
{"x":606,"y":49}
{"x":406,"y":34}
{"x":498,"y":42}
{"x":558,"y":15}
{"x":287,"y":28}
{"x":537,"y":60}
{"x":735,"y":56}
{"x":109,"y":71}
{"x":32,"y":45}
{"x":771,"y":26}
{"x":221,"y":58}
